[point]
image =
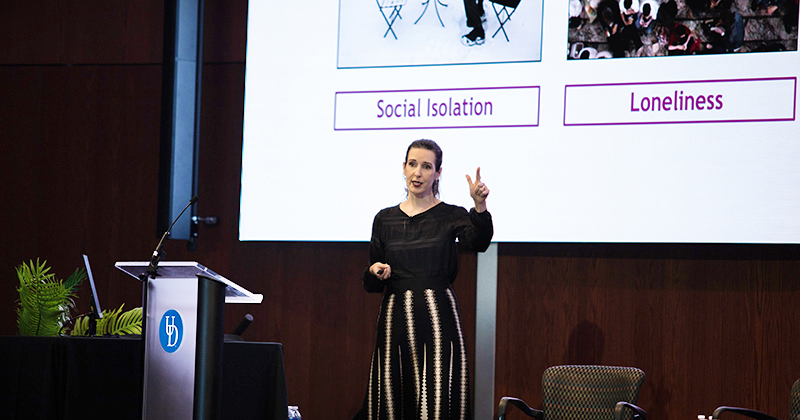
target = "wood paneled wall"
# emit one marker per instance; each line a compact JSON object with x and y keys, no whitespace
{"x":80,"y":84}
{"x":710,"y":325}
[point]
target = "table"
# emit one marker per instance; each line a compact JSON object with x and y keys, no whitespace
{"x":98,"y":377}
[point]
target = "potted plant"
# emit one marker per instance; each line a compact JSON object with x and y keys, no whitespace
{"x":45,"y":302}
{"x":113,"y":322}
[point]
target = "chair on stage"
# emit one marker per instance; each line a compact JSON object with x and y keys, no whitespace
{"x":507,"y":8}
{"x":585,"y":392}
{"x":436,"y":4}
{"x":794,"y":407}
{"x":394,"y":13}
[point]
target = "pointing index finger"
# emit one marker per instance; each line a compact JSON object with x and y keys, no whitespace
{"x":478,"y":175}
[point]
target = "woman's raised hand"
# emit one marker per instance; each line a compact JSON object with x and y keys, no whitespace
{"x":478,"y":191}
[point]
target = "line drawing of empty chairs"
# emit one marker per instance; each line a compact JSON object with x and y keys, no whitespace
{"x":395,"y":5}
{"x":435,"y":6}
{"x":503,"y":15}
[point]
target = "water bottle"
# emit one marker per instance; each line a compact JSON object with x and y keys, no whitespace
{"x":294,"y":413}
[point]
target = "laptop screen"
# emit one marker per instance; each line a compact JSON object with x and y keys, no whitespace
{"x":95,"y":300}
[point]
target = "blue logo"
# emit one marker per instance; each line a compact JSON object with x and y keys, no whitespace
{"x":171,"y":331}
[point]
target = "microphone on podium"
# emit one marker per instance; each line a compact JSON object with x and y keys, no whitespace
{"x":158,"y":253}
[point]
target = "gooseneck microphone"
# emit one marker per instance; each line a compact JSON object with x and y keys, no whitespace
{"x":243,"y":324}
{"x":158,"y":253}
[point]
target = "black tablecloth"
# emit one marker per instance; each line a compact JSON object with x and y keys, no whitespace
{"x":101,"y":378}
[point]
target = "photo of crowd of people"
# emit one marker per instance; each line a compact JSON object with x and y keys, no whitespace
{"x":645,"y":28}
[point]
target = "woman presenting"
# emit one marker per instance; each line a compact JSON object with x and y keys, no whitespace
{"x":419,"y":365}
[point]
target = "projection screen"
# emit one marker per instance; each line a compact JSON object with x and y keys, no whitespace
{"x":588,"y":124}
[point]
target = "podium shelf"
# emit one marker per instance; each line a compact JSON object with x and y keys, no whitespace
{"x":189,"y":269}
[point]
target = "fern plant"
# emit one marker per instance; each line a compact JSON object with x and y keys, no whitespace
{"x":113,"y":322}
{"x":45,"y":302}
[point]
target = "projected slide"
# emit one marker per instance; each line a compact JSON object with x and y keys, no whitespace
{"x":680,"y":125}
{"x":630,"y":28}
{"x":423,"y":33}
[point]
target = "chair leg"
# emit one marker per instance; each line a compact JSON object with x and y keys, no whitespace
{"x":423,"y":11}
{"x":436,"y":6}
{"x":502,"y":21}
{"x":390,"y":20}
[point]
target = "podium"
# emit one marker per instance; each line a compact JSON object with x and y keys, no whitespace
{"x":183,"y":330}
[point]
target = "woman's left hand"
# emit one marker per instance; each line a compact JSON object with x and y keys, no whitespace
{"x":478,"y":191}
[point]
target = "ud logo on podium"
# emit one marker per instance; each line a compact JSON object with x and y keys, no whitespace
{"x":170,"y":331}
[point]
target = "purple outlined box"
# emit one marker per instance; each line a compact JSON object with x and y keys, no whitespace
{"x":681,"y":102}
{"x":481,"y":107}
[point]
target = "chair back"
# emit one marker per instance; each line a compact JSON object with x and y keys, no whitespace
{"x":794,"y":401}
{"x":588,"y":392}
{"x":507,"y":3}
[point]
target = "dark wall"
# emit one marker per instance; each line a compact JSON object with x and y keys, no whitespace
{"x":710,"y":325}
{"x":80,"y":84}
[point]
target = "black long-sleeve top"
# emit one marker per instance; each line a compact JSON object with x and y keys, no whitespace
{"x":422,"y":249}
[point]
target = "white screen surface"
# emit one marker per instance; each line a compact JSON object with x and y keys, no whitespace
{"x":572,"y":150}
